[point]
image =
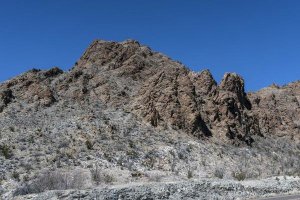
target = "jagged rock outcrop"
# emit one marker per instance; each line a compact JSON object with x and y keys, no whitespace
{"x":234,"y":109}
{"x":278,"y":110}
{"x":204,"y":83}
{"x":33,"y":87}
{"x":161,"y":92}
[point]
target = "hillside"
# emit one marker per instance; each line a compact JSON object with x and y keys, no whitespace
{"x":125,"y":114}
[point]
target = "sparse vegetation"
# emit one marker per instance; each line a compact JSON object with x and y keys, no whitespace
{"x":99,"y":176}
{"x":108,"y":178}
{"x":53,"y":180}
{"x":219,"y":173}
{"x":16,"y":176}
{"x":6,"y":151}
{"x":155,"y":178}
{"x":190,"y":174}
{"x":96,"y":175}
{"x":136,"y":174}
{"x":89,"y":144}
{"x":12,"y":129}
{"x":239,"y":175}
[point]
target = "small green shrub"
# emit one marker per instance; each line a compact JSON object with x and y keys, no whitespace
{"x":16,"y":176}
{"x":136,"y":174}
{"x":190,"y":174}
{"x":219,"y":173}
{"x":239,"y":175}
{"x":12,"y":129}
{"x":89,"y":145}
{"x":107,"y":178}
{"x":96,"y":175}
{"x":6,"y":151}
{"x":101,"y":177}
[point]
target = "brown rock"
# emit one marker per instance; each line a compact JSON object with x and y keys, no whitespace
{"x":278,"y":110}
{"x":163,"y":93}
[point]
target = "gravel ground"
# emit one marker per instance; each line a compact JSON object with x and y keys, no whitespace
{"x":203,"y":189}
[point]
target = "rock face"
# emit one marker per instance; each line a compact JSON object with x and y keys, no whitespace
{"x":278,"y":110}
{"x":160,"y":91}
{"x":163,"y":93}
{"x":33,"y":87}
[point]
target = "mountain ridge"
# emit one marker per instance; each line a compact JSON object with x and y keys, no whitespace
{"x":129,"y":73}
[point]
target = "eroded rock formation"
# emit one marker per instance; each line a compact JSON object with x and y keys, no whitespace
{"x":163,"y":93}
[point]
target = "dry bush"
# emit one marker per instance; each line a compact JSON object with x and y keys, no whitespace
{"x":53,"y":180}
{"x":219,"y":173}
{"x":155,"y":178}
{"x":6,"y":151}
{"x":98,"y":176}
{"x":239,"y":175}
{"x":190,"y":174}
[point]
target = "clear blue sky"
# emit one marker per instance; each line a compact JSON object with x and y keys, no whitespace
{"x":259,"y":39}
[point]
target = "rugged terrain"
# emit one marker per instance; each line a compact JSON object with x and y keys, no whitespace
{"x":125,"y":115}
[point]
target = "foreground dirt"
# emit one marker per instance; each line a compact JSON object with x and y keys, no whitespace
{"x":191,"y":190}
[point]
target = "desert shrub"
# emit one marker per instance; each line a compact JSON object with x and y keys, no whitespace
{"x":16,"y":176}
{"x":219,"y":173}
{"x":89,"y":145}
{"x":136,"y":174}
{"x":190,"y":174}
{"x":254,"y":173}
{"x":99,"y":176}
{"x":26,"y":166}
{"x":150,"y":159}
{"x":239,"y":175}
{"x":6,"y":151}
{"x":53,"y":180}
{"x":96,"y":175}
{"x":203,"y":162}
{"x":12,"y":129}
{"x":26,"y":178}
{"x":31,"y":139}
{"x":1,"y":180}
{"x":132,"y":154}
{"x":155,"y":178}
{"x":298,"y":145}
{"x":107,"y":178}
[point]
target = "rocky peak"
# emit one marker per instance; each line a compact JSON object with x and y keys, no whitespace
{"x":101,"y":53}
{"x":204,"y":83}
{"x":55,"y":71}
{"x":233,"y":83}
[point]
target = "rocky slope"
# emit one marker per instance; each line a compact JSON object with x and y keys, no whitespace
{"x":125,"y":108}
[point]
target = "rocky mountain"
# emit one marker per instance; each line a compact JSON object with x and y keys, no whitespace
{"x":127,"y":108}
